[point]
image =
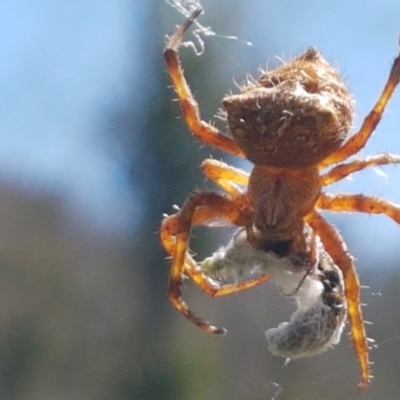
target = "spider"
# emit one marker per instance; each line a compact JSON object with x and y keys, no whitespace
{"x":291,"y":123}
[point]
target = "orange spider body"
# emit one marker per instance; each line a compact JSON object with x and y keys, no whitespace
{"x":291,"y":123}
{"x":286,"y":122}
{"x":293,"y":116}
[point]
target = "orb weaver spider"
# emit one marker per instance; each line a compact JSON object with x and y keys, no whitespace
{"x":291,"y":123}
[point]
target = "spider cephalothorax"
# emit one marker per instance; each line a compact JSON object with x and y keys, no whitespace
{"x":292,"y":122}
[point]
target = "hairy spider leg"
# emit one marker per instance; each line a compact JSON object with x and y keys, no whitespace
{"x":358,"y":140}
{"x":201,"y":216}
{"x":230,"y":210}
{"x":359,"y":203}
{"x":229,"y":177}
{"x":337,"y":249}
{"x":225,"y":176}
{"x":343,"y":170}
{"x":168,"y":233}
{"x":190,"y":109}
{"x":364,"y":204}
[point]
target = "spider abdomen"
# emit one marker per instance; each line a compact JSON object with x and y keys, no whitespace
{"x":293,"y":116}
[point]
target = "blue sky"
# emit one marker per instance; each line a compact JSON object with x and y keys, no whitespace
{"x":64,"y":64}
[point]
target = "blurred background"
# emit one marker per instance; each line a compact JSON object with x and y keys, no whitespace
{"x":93,"y":151}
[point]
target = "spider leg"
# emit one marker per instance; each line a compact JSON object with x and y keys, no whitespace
{"x":190,"y":109}
{"x":337,"y":249}
{"x":359,"y":203}
{"x":345,"y":169}
{"x":225,"y":176}
{"x":230,"y":210}
{"x":238,"y":287}
{"x":358,"y":140}
{"x":201,"y":216}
